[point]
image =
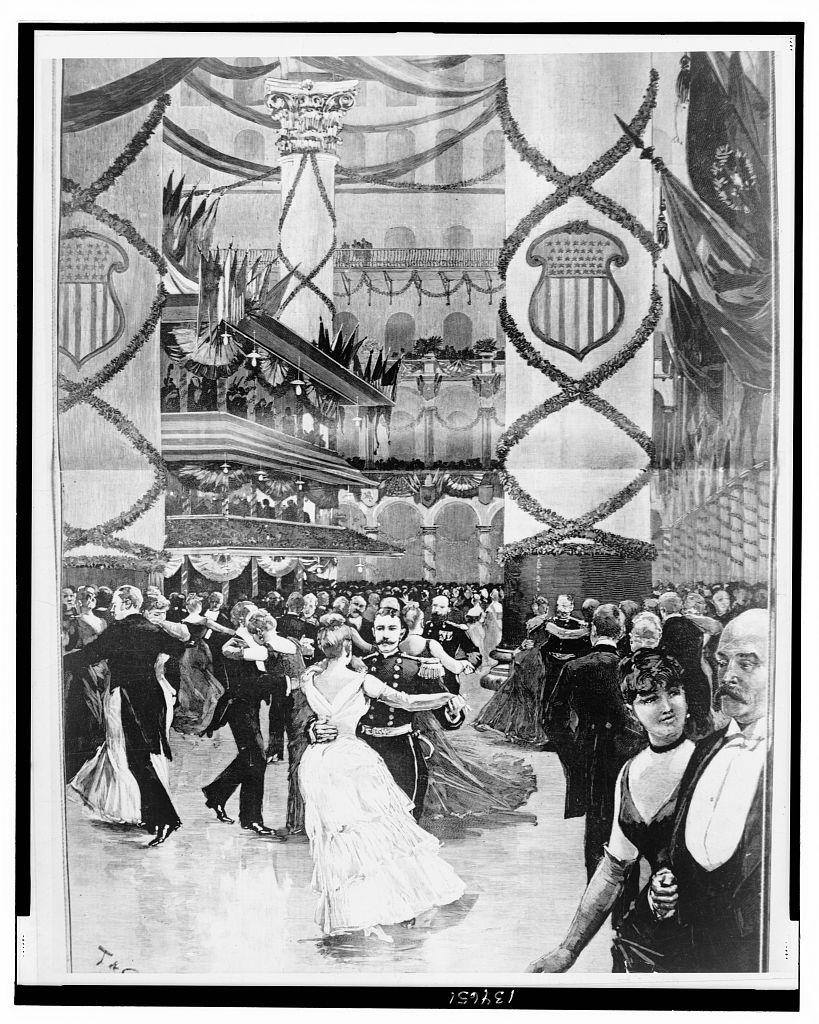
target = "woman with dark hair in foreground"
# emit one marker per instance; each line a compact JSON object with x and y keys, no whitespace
{"x":645,"y":800}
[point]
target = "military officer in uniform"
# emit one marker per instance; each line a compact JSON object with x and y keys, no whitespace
{"x":457,"y":643}
{"x":388,"y":730}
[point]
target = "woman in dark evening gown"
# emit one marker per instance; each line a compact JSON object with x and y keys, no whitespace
{"x":463,"y":780}
{"x":516,"y":709}
{"x":85,"y":689}
{"x":645,"y":800}
{"x":199,"y":689}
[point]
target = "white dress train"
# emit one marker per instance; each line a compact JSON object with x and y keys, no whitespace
{"x":105,"y":784}
{"x":372,"y":864}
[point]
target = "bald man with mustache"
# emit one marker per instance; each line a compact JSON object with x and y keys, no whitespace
{"x":714,"y":879}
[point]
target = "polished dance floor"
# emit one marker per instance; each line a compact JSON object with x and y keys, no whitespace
{"x":218,"y":900}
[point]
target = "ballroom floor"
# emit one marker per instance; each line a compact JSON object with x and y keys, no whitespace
{"x":217,"y":900}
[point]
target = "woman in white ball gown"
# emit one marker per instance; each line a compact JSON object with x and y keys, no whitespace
{"x":372,"y":864}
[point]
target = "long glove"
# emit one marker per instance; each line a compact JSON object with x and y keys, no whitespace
{"x":595,"y":905}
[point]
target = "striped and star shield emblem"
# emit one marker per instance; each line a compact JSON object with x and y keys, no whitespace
{"x":90,"y":315}
{"x":576,"y":305}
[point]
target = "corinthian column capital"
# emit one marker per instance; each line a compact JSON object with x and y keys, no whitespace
{"x":310,"y":114}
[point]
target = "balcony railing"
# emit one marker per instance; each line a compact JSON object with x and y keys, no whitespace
{"x":399,"y":259}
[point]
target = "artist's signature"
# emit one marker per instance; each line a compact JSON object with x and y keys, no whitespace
{"x":482,"y":997}
{"x":114,"y":964}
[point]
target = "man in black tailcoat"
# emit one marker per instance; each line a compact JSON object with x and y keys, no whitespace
{"x":249,"y":683}
{"x":295,"y":626}
{"x":131,"y":644}
{"x":586,"y":721}
{"x":388,"y":730}
{"x":715,"y":882}
{"x":683,"y":639}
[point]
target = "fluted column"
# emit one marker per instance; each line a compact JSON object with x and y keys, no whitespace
{"x":737,"y":549}
{"x":764,"y":521}
{"x":309,"y":116}
{"x":750,"y":529}
{"x":428,"y":535}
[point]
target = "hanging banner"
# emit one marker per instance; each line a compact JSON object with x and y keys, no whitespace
{"x":219,"y":568}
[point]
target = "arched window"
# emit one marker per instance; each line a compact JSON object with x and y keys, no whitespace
{"x":456,"y":547}
{"x":457,"y":424}
{"x":493,"y":153}
{"x":399,"y":334}
{"x":458,"y":237}
{"x":249,"y":145}
{"x":249,"y":91}
{"x":346,"y":323}
{"x":399,"y":238}
{"x":449,"y":165}
{"x":400,"y":524}
{"x":201,"y":173}
{"x":407,"y":424}
{"x":400,"y":145}
{"x":458,"y":330}
{"x":352,"y":151}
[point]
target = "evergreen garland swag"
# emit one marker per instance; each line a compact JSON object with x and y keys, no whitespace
{"x":83,"y":199}
{"x":564,"y":536}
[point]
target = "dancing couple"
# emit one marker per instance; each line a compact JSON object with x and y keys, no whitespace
{"x":374,"y":866}
{"x":126,"y":781}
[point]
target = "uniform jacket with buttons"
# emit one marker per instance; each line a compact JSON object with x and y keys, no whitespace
{"x":401,"y":673}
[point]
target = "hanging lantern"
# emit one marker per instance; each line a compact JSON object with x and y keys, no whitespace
{"x":298,"y":384}
{"x":225,"y":467}
{"x":360,"y":566}
{"x":299,"y":483}
{"x":226,"y":337}
{"x":254,"y":356}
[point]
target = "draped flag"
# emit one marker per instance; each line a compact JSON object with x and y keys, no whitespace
{"x":728,"y":146}
{"x":262,"y":116}
{"x":729,"y":280}
{"x":694,"y":352}
{"x":397,"y":72}
{"x":96,"y":106}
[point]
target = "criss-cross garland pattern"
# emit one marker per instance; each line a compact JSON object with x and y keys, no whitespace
{"x":307,"y":281}
{"x":564,"y":535}
{"x":83,"y":200}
